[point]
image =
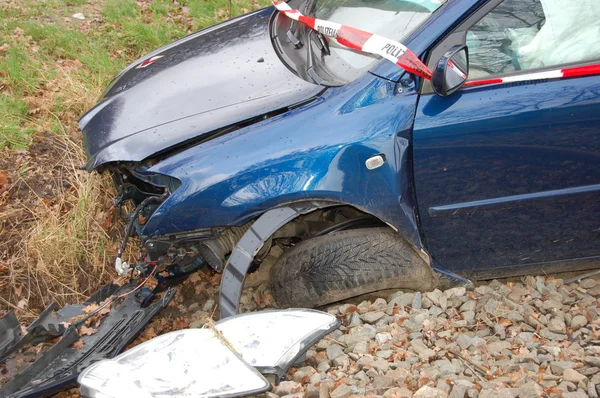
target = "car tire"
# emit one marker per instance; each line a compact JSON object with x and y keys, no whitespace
{"x":346,"y":264}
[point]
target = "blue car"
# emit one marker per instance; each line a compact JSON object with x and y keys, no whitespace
{"x":264,"y":136}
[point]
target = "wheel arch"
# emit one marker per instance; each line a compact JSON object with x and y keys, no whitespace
{"x":265,"y":226}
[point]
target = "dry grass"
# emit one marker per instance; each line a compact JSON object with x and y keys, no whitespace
{"x":58,"y":230}
{"x":61,"y":250}
{"x":57,"y":240}
{"x":65,"y":250}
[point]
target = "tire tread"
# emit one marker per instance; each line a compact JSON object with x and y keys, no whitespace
{"x":345,"y":264}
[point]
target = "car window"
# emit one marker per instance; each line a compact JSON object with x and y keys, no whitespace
{"x":530,"y":34}
{"x":393,"y":19}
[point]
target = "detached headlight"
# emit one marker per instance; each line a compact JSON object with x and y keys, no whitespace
{"x":197,"y":363}
{"x":185,"y":363}
{"x":272,"y":341}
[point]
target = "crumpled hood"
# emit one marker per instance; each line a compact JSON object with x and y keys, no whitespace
{"x":212,"y":79}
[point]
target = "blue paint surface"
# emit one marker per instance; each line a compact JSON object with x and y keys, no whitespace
{"x":491,"y":177}
{"x":508,"y":174}
{"x":317,"y":151}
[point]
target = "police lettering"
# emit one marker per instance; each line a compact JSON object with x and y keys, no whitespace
{"x":392,"y":50}
{"x":327,"y":31}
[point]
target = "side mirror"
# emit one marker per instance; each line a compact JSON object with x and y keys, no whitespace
{"x":452,"y":71}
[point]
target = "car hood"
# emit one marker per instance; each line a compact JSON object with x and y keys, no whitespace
{"x":212,"y":79}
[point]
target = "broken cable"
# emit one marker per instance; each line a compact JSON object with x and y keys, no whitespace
{"x":119,"y":263}
{"x":121,"y":267}
{"x":361,"y":40}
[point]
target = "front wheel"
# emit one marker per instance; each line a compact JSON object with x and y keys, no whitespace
{"x":346,"y":264}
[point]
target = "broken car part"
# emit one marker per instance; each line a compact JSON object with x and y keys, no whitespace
{"x":241,"y":258}
{"x":314,"y":111}
{"x":51,"y":322}
{"x":48,"y":325}
{"x":120,"y":266}
{"x":184,"y":363}
{"x":10,"y":333}
{"x":222,"y":361}
{"x":59,"y":366}
{"x":144,"y":128}
{"x":272,"y":341}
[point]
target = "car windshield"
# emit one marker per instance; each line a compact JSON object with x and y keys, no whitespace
{"x":393,"y":19}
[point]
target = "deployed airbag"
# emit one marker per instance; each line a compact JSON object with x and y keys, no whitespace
{"x":570,"y":33}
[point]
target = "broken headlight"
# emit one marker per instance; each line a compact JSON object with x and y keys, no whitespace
{"x":191,"y":363}
{"x":272,"y":341}
{"x":202,"y":363}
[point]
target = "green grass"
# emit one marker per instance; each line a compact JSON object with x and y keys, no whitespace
{"x":13,"y":113}
{"x":207,"y":13}
{"x":41,"y":35}
{"x":120,"y":11}
{"x":21,"y":71}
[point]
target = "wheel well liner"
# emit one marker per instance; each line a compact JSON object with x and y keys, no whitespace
{"x":241,"y":258}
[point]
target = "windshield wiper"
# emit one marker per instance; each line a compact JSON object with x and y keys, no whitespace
{"x":309,"y":9}
{"x":313,"y":35}
{"x":310,"y":70}
{"x":293,"y":38}
{"x":322,"y":43}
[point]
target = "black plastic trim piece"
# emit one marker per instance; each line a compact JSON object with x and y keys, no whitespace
{"x":10,"y":334}
{"x":51,"y":324}
{"x":59,"y":367}
{"x":243,"y":254}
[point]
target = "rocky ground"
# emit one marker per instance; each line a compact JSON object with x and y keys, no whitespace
{"x":537,"y":337}
{"x":533,"y":337}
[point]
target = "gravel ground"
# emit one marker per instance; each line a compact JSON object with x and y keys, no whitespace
{"x":537,"y":337}
{"x":533,"y":338}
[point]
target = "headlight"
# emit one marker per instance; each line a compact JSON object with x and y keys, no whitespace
{"x":198,"y":363}
{"x":272,"y":341}
{"x":190,"y":363}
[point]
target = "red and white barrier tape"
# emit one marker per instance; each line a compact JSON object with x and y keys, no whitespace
{"x":396,"y":52}
{"x":575,"y":71}
{"x":358,"y":39}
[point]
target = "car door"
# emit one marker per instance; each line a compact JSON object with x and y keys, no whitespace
{"x":507,"y":173}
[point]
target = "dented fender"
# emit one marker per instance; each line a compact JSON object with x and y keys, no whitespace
{"x":317,"y":151}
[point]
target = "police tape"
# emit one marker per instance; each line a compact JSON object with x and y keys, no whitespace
{"x":399,"y":54}
{"x":576,"y":71}
{"x":361,"y":40}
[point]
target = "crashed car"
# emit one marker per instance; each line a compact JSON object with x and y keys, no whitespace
{"x":288,"y":127}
